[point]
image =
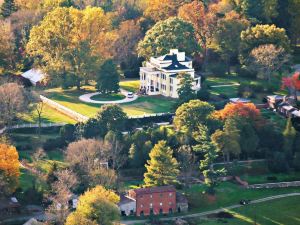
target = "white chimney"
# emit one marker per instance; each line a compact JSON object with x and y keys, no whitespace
{"x":181,"y":56}
{"x":173,"y":51}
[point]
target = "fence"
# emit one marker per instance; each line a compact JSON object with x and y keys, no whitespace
{"x":31,"y":125}
{"x":275,"y":185}
{"x":68,"y":112}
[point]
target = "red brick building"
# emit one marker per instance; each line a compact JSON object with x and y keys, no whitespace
{"x":154,"y":200}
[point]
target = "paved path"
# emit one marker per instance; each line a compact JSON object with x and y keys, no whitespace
{"x":225,"y":85}
{"x":132,"y":222}
{"x":87,"y":98}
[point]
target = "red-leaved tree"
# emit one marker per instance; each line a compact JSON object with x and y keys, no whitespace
{"x":292,"y":83}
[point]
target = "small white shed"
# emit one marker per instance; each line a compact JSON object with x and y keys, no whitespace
{"x":34,"y":75}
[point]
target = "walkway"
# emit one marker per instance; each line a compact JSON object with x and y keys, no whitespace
{"x":203,"y":214}
{"x":87,"y":98}
{"x":225,"y":85}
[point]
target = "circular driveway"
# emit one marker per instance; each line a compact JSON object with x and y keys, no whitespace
{"x":87,"y":98}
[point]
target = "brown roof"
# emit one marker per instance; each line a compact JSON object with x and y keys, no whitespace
{"x":150,"y":190}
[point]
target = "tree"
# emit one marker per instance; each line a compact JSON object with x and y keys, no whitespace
{"x":8,"y":7}
{"x":161,"y":10}
{"x":129,"y":34}
{"x":192,"y":114}
{"x":86,"y":157}
{"x":13,"y":100}
{"x":108,"y":78}
{"x":112,"y":118}
{"x":62,"y":191}
{"x":249,"y":140}
{"x":168,"y":34}
{"x":293,"y":84}
{"x":244,"y":110}
{"x":9,"y":169}
{"x":186,"y":159}
{"x":293,"y":30}
{"x":162,"y":168}
{"x":289,"y":135}
{"x":228,"y":139}
{"x":268,"y":59}
{"x":185,"y":90}
{"x":96,"y":206}
{"x":210,"y":151}
{"x":116,"y":154}
{"x":60,"y":54}
{"x":227,"y":36}
{"x":260,"y":35}
{"x":204,"y":22}
{"x":6,"y":46}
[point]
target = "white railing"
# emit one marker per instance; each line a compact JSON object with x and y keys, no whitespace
{"x":66,"y":111}
{"x":31,"y":125}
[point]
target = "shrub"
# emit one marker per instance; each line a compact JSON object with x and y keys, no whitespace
{"x":257,"y":87}
{"x":203,"y":94}
{"x":218,"y":69}
{"x":53,"y":143}
{"x":243,"y":71}
{"x":245,"y":91}
{"x":277,"y":163}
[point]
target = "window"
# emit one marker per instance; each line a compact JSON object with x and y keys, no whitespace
{"x":170,"y":203}
{"x":151,"y":205}
{"x":142,"y":206}
{"x":160,"y":204}
{"x":171,"y":81}
{"x":161,"y":195}
{"x":171,"y":88}
{"x":150,"y":196}
{"x":160,"y":211}
{"x":170,"y":194}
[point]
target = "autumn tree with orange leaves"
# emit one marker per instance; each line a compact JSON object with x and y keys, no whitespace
{"x":292,"y":83}
{"x":245,"y":110}
{"x":9,"y":169}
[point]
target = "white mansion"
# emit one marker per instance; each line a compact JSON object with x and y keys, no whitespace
{"x":159,"y":76}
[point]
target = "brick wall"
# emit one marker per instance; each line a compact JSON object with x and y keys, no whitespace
{"x":156,"y":203}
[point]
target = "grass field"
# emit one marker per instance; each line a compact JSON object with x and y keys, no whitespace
{"x":110,"y":97}
{"x":49,"y":115}
{"x":280,"y":212}
{"x":228,"y":194}
{"x":144,"y":104}
{"x":130,"y":85}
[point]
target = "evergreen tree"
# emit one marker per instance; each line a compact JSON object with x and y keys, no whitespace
{"x":289,"y":135}
{"x":162,"y":168}
{"x":108,"y":78}
{"x":210,"y":151}
{"x":185,"y":91}
{"x":8,"y":7}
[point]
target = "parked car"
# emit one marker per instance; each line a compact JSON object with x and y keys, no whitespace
{"x":245,"y":202}
{"x":130,"y":95}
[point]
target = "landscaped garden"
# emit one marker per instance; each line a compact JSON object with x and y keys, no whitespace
{"x":143,"y":105}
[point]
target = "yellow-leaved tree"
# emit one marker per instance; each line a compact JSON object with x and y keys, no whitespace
{"x":9,"y":169}
{"x":96,"y":206}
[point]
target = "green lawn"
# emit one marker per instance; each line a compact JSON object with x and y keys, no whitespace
{"x":110,"y":97}
{"x":49,"y":115}
{"x":130,"y":85}
{"x":228,"y":194}
{"x":144,"y":104}
{"x":280,"y":211}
